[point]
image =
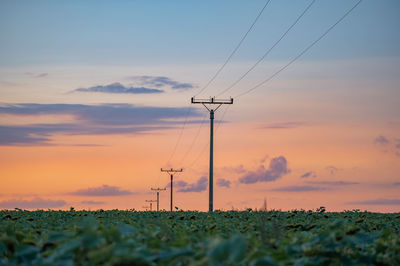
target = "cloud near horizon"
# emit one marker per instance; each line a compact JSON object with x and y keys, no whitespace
{"x":332,"y":183}
{"x":221,"y":182}
{"x":104,"y":190}
{"x":301,"y":188}
{"x":284,"y":125}
{"x":183,"y":186}
{"x":92,"y":202}
{"x":381,"y":140}
{"x":308,"y":174}
{"x":119,"y":88}
{"x":277,"y":168}
{"x":89,"y":120}
{"x":387,"y":146}
{"x":160,"y":81}
{"x":36,"y":203}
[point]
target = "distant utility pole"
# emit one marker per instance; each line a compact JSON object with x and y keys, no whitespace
{"x":171,"y":173}
{"x":158,"y":196}
{"x":151,"y":203}
{"x":206,"y":102}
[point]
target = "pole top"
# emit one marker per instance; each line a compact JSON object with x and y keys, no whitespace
{"x":212,"y":100}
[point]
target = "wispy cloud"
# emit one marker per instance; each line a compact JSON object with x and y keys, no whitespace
{"x":277,"y":168}
{"x":118,"y":88}
{"x":308,"y":174}
{"x":35,"y":75}
{"x":199,"y":186}
{"x":299,"y":189}
{"x":333,"y":183}
{"x":104,"y":190}
{"x":89,"y":120}
{"x":36,"y":203}
{"x":223,"y":183}
{"x":381,"y":140}
{"x":377,"y":202}
{"x":283,"y":125}
{"x":160,"y":81}
{"x":387,"y":146}
{"x":92,"y":202}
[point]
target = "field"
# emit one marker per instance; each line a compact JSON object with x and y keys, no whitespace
{"x":194,"y":238}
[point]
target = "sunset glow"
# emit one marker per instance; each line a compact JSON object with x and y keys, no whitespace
{"x":95,"y":99}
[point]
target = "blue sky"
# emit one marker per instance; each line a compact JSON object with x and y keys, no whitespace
{"x":161,"y":32}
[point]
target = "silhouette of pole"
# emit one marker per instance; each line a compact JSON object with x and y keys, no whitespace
{"x":206,"y":102}
{"x":171,"y":173}
{"x":151,"y":203}
{"x":158,"y":196}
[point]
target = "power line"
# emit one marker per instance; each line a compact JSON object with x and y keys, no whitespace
{"x":193,"y":141}
{"x":180,"y":134}
{"x":218,"y":122}
{"x":302,"y":53}
{"x":284,"y":67}
{"x":269,"y":50}
{"x":212,"y":79}
{"x":234,"y":50}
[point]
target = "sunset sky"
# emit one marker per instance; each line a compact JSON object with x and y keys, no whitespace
{"x":95,"y":99}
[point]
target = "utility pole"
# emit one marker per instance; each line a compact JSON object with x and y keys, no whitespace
{"x":151,"y":203}
{"x":210,"y":102}
{"x":171,"y":173}
{"x":158,"y":196}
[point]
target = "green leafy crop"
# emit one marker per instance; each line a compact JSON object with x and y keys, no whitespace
{"x":197,"y":238}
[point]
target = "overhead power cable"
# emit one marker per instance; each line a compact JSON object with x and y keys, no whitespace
{"x":207,"y":143}
{"x":302,"y":53}
{"x":269,"y":50}
{"x":193,"y":141}
{"x":213,"y":78}
{"x":234,"y":50}
{"x":283,"y":68}
{"x":180,"y":134}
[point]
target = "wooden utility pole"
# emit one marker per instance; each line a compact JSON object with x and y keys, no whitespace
{"x":206,"y":102}
{"x":158,"y":196}
{"x":171,"y":173}
{"x":151,"y":203}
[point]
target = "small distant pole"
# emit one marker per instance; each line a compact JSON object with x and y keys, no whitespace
{"x":206,"y":102}
{"x":171,"y":173}
{"x":158,"y":195}
{"x":265,"y":204}
{"x":151,"y":203}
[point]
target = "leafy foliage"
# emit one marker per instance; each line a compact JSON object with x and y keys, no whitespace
{"x":195,"y":238}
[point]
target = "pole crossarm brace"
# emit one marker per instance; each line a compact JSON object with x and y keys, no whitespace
{"x":158,"y":189}
{"x":205,"y":102}
{"x":213,"y":100}
{"x":171,"y":172}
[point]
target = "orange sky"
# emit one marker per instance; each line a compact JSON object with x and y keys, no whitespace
{"x":92,"y":104}
{"x":131,"y":162}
